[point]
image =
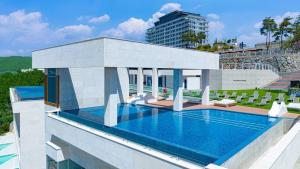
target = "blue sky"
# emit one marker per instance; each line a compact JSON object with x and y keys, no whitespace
{"x":33,"y":24}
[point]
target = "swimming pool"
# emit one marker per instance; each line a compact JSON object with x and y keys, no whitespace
{"x":30,"y":92}
{"x":201,"y":136}
{"x":5,"y":158}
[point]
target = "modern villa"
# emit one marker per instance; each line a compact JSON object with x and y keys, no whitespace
{"x":87,"y":117}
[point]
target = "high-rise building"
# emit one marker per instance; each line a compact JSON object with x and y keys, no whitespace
{"x":169,"y":28}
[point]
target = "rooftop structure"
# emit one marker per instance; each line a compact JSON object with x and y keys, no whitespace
{"x":91,"y":120}
{"x":169,"y":28}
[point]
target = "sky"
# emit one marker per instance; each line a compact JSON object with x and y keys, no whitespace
{"x":27,"y":25}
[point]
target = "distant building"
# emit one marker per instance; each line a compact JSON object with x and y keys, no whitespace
{"x":170,"y":27}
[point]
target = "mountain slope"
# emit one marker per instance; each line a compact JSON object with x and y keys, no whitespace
{"x":14,"y":63}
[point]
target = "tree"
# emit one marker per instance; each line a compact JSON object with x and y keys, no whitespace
{"x":189,"y":37}
{"x":267,"y":29}
{"x":284,"y":30}
{"x":201,"y":36}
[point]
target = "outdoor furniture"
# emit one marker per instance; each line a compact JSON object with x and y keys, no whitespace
{"x":233,"y":95}
{"x":292,"y":97}
{"x":267,"y":95}
{"x":296,"y":100}
{"x":239,"y":99}
{"x":280,"y":96}
{"x":226,"y":96}
{"x":250,"y":100}
{"x":280,"y":99}
{"x":262,"y":102}
{"x":268,"y":98}
{"x":255,"y":93}
{"x":244,"y":95}
{"x":225,"y":103}
{"x":224,"y":93}
{"x":255,"y":96}
{"x":294,"y":106}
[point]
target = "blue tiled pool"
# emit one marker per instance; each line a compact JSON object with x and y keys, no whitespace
{"x":201,"y":136}
{"x":30,"y":92}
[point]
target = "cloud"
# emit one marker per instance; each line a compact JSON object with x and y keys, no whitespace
{"x":213,"y":16}
{"x":215,"y":30}
{"x":100,"y":19}
{"x":251,"y":39}
{"x":135,"y":28}
{"x":74,"y":32}
{"x":169,"y":7}
{"x":22,"y":32}
{"x":279,"y":18}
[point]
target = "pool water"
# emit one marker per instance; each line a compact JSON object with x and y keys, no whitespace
{"x":3,"y":146}
{"x":30,"y":92}
{"x":201,"y":136}
{"x":5,"y":158}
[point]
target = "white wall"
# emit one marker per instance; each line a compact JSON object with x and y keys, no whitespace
{"x":81,"y":87}
{"x":241,"y":79}
{"x":32,"y":133}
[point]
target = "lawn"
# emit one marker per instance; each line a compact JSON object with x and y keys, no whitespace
{"x":249,"y":93}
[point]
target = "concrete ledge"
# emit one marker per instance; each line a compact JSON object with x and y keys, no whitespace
{"x":284,"y":154}
{"x":245,"y":157}
{"x":54,"y":151}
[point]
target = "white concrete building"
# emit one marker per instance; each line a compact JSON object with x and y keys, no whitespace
{"x":86,"y":76}
{"x":96,"y":73}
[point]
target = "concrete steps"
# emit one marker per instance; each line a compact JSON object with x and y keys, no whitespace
{"x":284,"y":82}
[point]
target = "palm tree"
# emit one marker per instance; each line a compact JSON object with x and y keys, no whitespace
{"x":284,"y":30}
{"x":201,"y":36}
{"x":268,"y":27}
{"x":189,"y":37}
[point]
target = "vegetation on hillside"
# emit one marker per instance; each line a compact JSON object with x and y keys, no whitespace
{"x":14,"y":63}
{"x":7,"y":80}
{"x":285,"y":31}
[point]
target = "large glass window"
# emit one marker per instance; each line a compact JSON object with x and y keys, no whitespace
{"x":52,"y":87}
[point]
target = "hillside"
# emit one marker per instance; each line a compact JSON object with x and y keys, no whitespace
{"x":14,"y":63}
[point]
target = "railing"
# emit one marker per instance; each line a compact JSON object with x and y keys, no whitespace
{"x":245,"y":66}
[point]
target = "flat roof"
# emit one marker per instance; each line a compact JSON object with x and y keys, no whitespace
{"x":113,"y":52}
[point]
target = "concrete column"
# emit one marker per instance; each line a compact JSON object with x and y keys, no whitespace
{"x":111,"y":96}
{"x":205,"y":86}
{"x":140,"y":81}
{"x":123,"y":85}
{"x":177,"y":89}
{"x":154,"y":83}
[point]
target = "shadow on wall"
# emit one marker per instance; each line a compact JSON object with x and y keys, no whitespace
{"x":67,"y":96}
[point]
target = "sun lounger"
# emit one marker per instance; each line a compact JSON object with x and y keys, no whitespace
{"x":294,"y":106}
{"x":239,"y":99}
{"x":250,"y":100}
{"x":262,"y":102}
{"x":233,"y":95}
{"x":292,"y":97}
{"x":225,"y":103}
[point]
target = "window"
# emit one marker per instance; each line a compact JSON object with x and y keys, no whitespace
{"x":52,"y":87}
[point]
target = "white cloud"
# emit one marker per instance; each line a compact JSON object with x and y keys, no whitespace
{"x":22,"y":32}
{"x":251,"y":39}
{"x":169,"y":7}
{"x":135,"y":28}
{"x":215,"y":30}
{"x":279,"y":18}
{"x":213,"y":16}
{"x":74,"y":31}
{"x":100,"y":19}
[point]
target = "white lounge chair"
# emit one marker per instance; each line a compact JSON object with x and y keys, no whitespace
{"x":277,"y":110}
{"x":294,"y":106}
{"x":225,"y":103}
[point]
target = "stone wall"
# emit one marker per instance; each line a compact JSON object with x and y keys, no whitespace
{"x":282,"y":61}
